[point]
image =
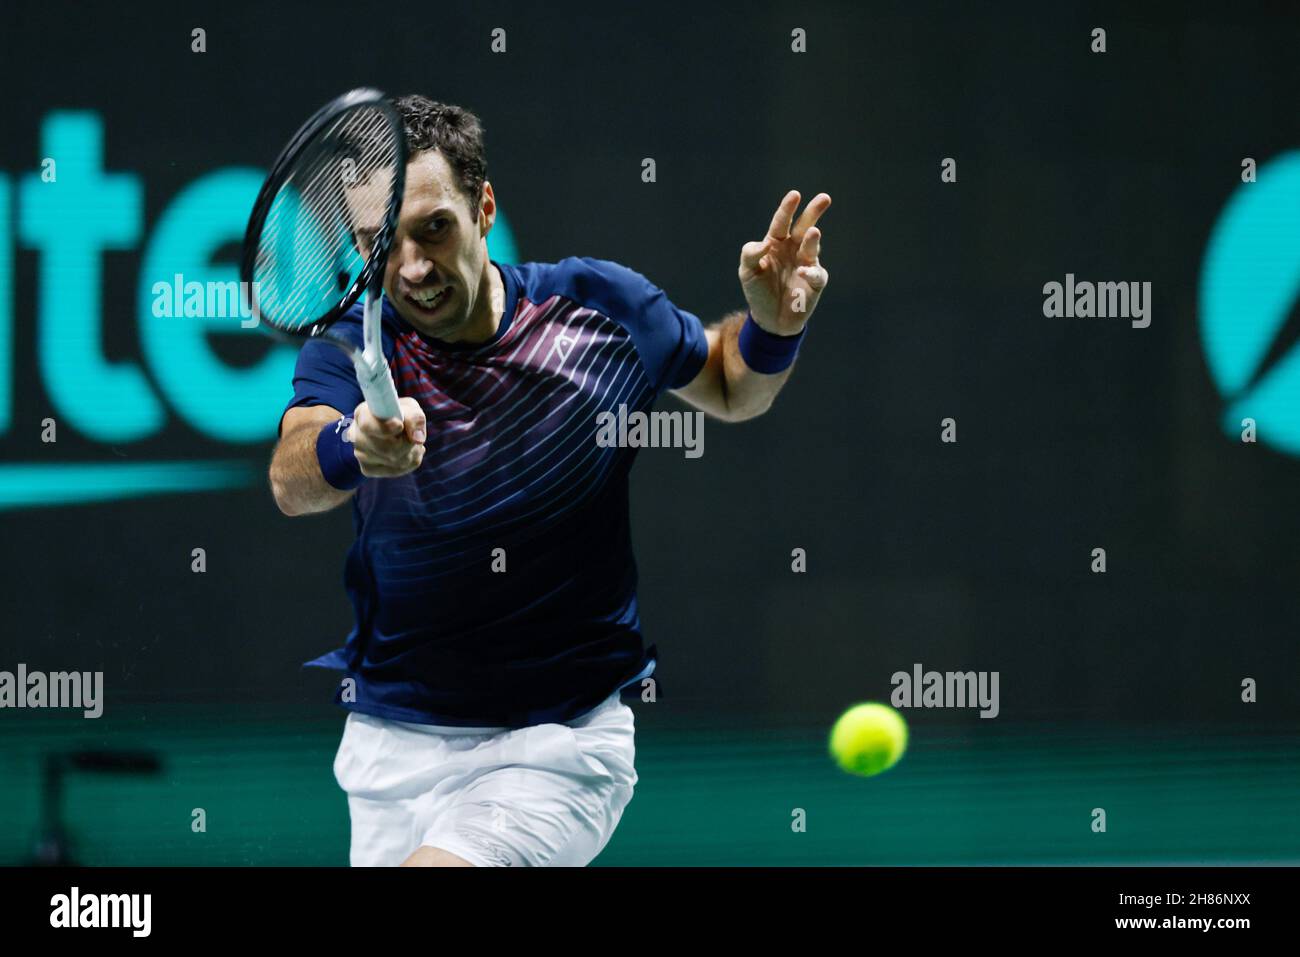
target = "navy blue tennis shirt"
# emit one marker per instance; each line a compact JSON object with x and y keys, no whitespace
{"x":511,"y":464}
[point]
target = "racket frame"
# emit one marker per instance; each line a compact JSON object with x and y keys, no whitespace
{"x":371,"y":367}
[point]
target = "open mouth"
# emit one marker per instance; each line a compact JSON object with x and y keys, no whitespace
{"x":430,"y":301}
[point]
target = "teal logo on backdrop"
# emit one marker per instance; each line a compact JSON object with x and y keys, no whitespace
{"x":72,"y":222}
{"x":1250,"y":305}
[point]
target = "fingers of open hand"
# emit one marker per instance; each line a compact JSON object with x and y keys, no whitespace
{"x":753,"y":258}
{"x":816,"y":276}
{"x":784,"y":216}
{"x":810,"y":248}
{"x":812,"y":212}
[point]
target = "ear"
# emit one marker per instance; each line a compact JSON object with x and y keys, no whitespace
{"x":487,"y":209}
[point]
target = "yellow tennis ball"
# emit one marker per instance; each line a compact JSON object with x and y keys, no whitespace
{"x":868,"y":738}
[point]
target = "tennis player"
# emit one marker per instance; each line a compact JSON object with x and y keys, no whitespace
{"x":492,"y":576}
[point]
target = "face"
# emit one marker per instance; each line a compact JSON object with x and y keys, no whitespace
{"x":437,"y":275}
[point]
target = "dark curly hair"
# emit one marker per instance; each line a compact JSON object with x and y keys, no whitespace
{"x":454,"y":132}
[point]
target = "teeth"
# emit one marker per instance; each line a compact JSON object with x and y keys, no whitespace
{"x":429,"y":299}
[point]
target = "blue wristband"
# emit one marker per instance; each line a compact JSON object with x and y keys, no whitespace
{"x":337,"y":457}
{"x":766,"y":352}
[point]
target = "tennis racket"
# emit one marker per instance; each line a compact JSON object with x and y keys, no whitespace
{"x":320,"y":232}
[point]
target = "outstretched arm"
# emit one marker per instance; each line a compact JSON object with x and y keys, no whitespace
{"x":782,"y":278}
{"x":384,"y":448}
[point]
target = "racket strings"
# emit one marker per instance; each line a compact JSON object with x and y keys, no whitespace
{"x":312,"y":209}
{"x":308,"y":235}
{"x":341,"y":181}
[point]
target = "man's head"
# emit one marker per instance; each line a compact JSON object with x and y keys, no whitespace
{"x":437,"y":275}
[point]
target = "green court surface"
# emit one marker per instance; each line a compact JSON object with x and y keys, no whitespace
{"x":709,"y":794}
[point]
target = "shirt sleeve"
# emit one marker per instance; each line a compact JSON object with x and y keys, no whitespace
{"x":671,"y":341}
{"x":324,"y":375}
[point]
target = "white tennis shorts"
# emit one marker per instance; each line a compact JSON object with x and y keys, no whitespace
{"x":550,"y":794}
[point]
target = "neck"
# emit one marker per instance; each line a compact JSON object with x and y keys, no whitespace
{"x":489,"y":308}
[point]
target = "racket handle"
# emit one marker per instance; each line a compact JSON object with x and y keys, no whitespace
{"x":372,"y":368}
{"x":377,"y":385}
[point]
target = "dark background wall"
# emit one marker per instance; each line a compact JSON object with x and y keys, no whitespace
{"x":1073,"y":434}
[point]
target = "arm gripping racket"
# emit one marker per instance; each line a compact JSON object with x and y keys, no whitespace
{"x":321,"y":229}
